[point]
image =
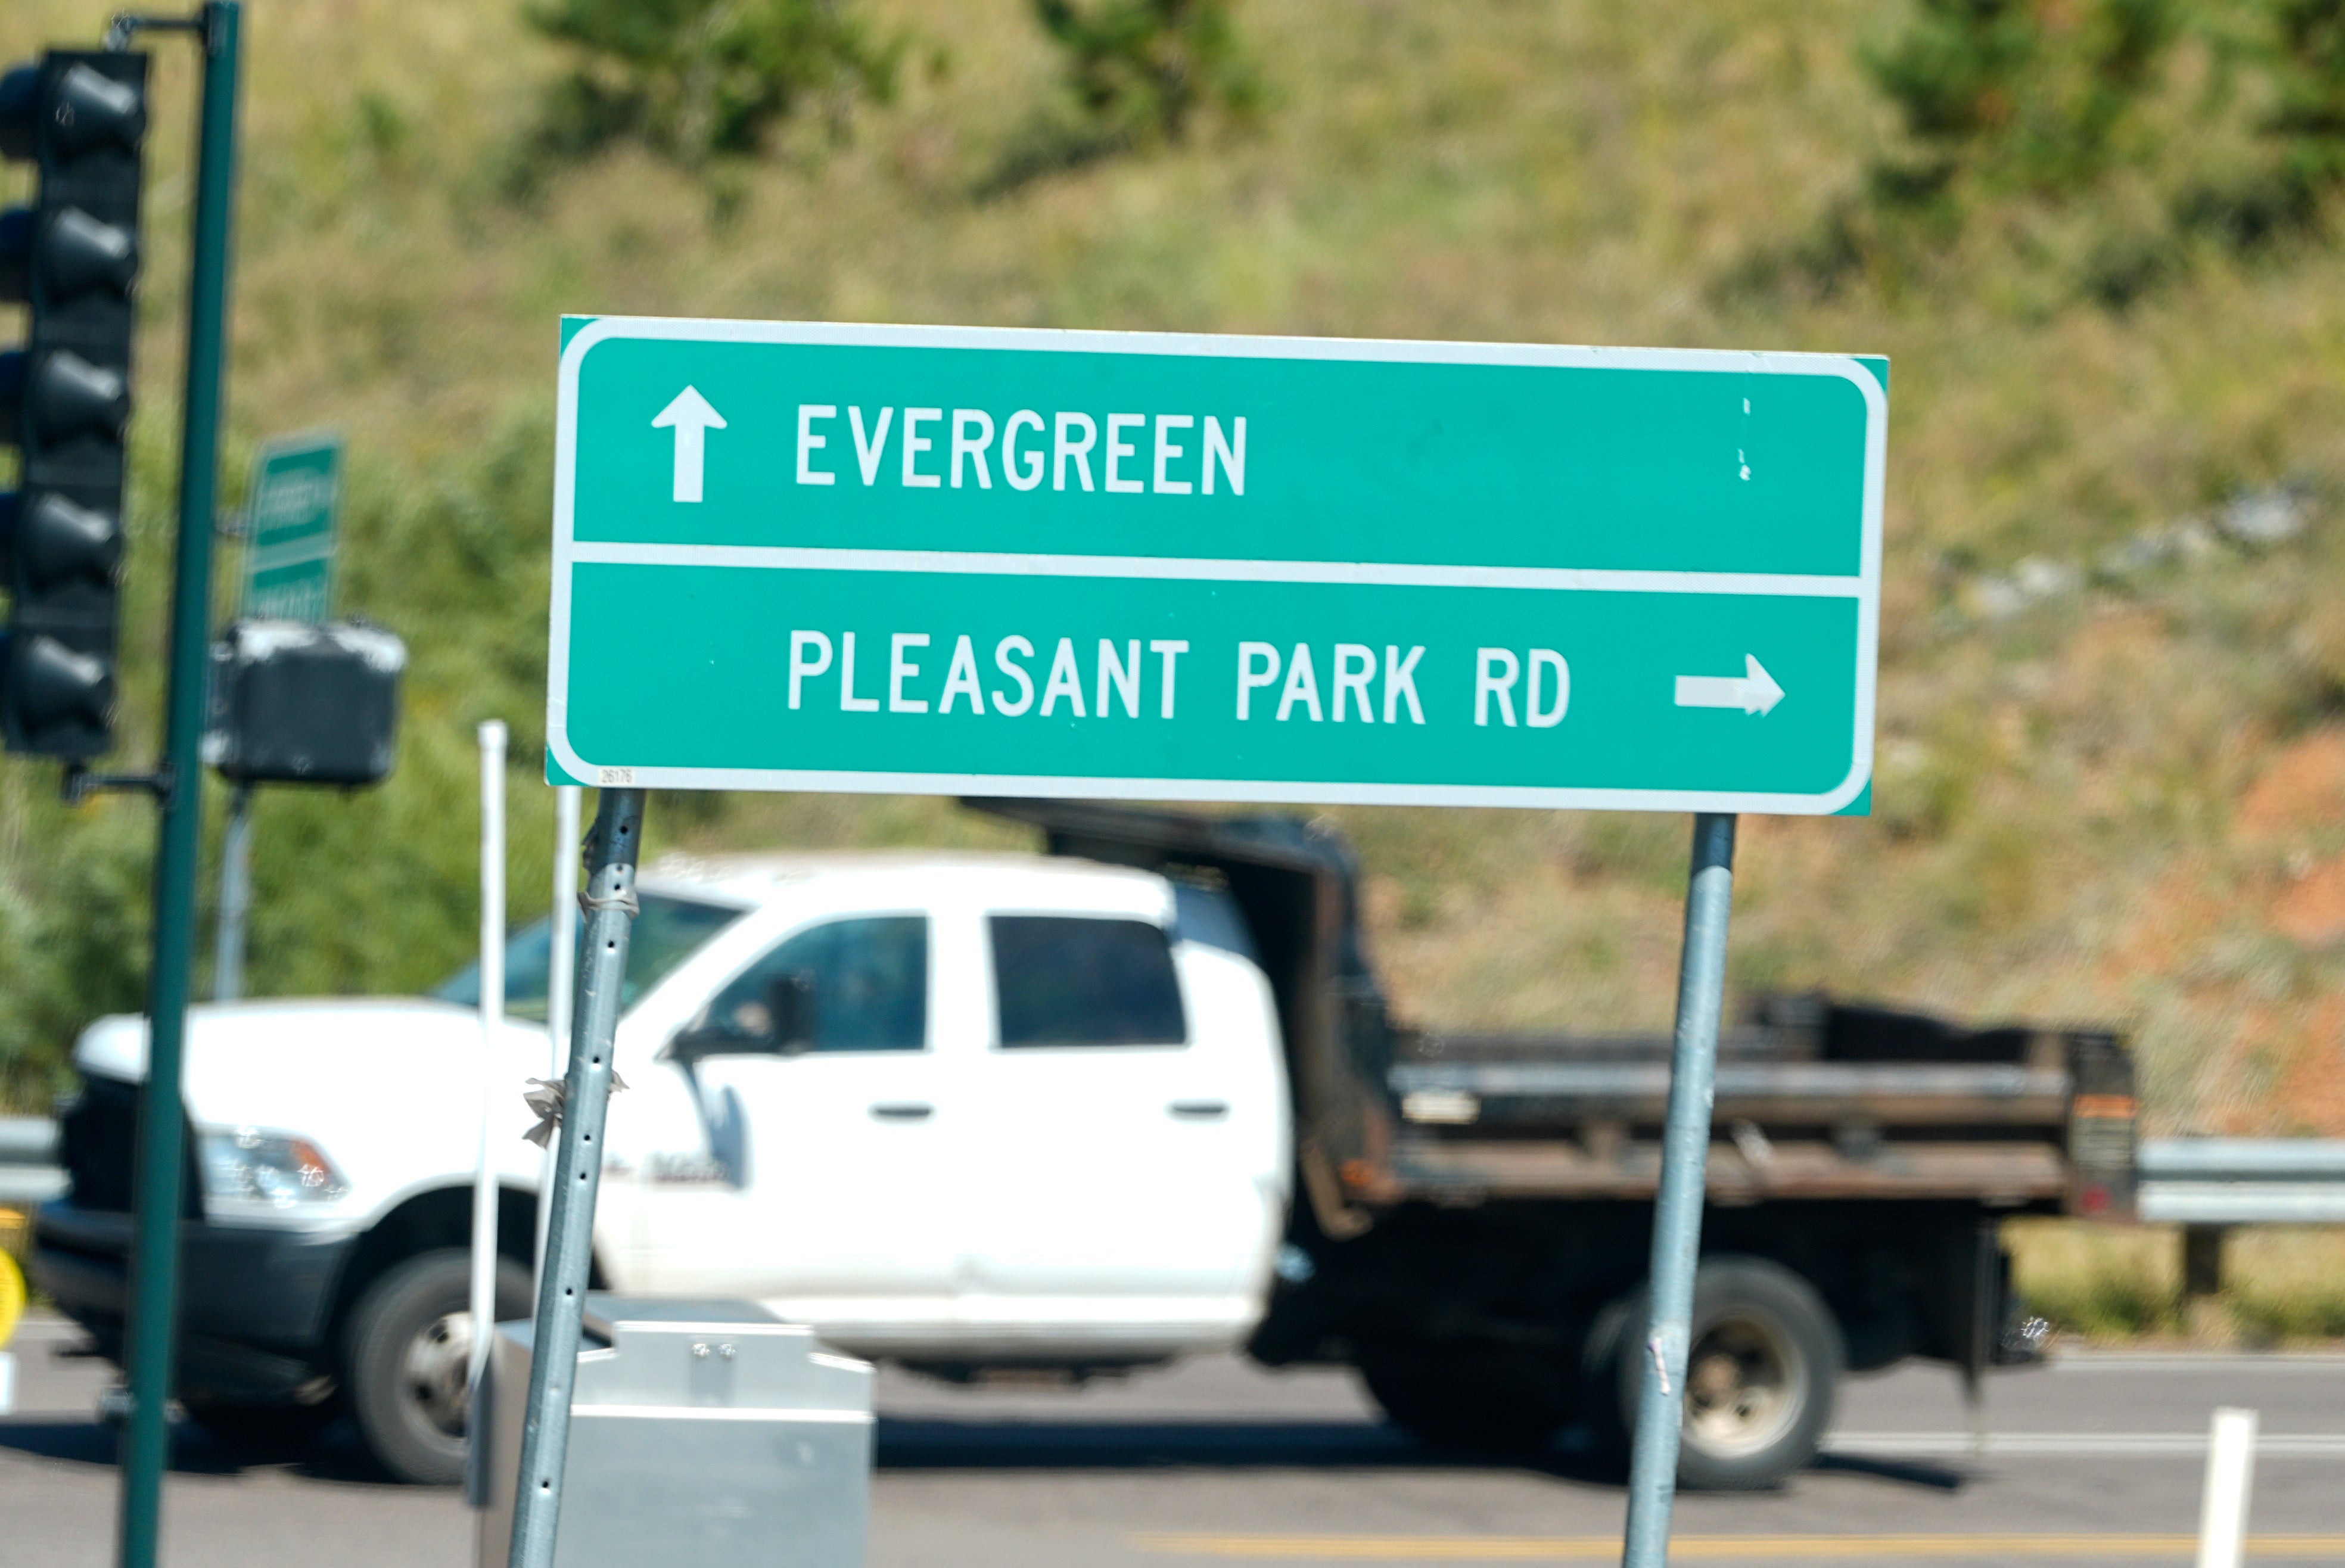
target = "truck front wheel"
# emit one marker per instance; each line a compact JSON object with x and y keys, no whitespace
{"x":1765,"y":1364}
{"x":408,"y":1358}
{"x":1465,"y":1396}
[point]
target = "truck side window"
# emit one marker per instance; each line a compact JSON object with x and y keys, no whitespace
{"x":667,"y":931}
{"x":868,"y":979}
{"x":1076,"y":980}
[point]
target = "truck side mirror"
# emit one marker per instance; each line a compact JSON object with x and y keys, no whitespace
{"x":790,"y":1002}
{"x":693,"y":1044}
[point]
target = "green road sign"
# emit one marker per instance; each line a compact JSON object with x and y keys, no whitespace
{"x":797,"y":556}
{"x":291,"y":528}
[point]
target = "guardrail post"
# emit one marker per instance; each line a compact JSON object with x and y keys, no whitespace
{"x":2202,"y":1260}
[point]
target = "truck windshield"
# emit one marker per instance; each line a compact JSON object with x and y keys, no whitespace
{"x":668,"y":932}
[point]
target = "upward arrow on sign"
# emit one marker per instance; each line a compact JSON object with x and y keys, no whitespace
{"x":692,"y":418}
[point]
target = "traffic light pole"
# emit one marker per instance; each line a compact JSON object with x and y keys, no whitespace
{"x":162,"y":1123}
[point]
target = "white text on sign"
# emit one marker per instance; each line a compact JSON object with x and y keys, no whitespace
{"x":938,"y":449}
{"x":1140,"y":676}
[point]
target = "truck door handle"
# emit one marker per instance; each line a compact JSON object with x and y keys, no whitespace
{"x":903,"y":1110}
{"x":1199,"y":1109}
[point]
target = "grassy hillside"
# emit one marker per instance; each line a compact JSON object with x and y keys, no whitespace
{"x":2112,"y":770}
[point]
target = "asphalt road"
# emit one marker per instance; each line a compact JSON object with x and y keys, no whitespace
{"x":2097,"y":1460}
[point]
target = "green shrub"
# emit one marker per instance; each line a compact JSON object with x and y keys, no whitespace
{"x":2079,"y":132}
{"x":696,"y":79}
{"x":1142,"y":68}
{"x":2017,"y":95}
{"x":1135,"y":74}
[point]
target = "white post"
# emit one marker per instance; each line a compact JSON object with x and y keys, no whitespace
{"x":235,"y":898}
{"x":560,"y":980}
{"x":2231,"y":1474}
{"x":493,"y":1024}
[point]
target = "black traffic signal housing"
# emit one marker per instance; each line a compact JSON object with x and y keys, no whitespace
{"x":71,"y":258}
{"x":294,"y":703}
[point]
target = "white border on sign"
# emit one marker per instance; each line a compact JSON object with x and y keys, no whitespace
{"x":1865,"y":587}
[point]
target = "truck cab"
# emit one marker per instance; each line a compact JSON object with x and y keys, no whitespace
{"x":962,"y":1111}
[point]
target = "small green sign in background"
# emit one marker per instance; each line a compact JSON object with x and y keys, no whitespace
{"x":291,"y":523}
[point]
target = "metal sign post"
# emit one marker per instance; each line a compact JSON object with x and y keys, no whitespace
{"x":560,"y":980}
{"x":610,"y":902}
{"x":1677,"y":1208}
{"x":293,"y":526}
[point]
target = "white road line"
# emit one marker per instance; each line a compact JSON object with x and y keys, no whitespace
{"x":2185,"y":1361}
{"x":45,"y":1333}
{"x":2081,"y":1444}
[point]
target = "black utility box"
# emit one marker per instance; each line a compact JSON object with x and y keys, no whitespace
{"x":296,"y":702}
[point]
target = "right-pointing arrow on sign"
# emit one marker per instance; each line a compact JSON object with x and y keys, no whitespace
{"x":1754,"y":691}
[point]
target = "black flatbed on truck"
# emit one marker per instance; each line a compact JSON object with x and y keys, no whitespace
{"x":1478,"y":1206}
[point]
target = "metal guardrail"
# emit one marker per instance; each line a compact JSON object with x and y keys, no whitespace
{"x":2183,"y":1180}
{"x":28,"y":1160}
{"x":2243,"y":1181}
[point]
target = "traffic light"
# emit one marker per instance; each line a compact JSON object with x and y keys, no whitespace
{"x":72,"y":259}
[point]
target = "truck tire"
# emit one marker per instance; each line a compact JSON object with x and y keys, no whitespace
{"x":1468,"y":1397}
{"x":1766,"y":1362}
{"x":407,"y":1359}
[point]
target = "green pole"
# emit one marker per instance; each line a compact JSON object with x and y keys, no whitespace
{"x":162,"y":1124}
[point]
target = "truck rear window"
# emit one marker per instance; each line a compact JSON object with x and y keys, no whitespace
{"x":1079,"y":980}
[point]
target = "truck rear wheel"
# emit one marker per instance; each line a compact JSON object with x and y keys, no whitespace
{"x":1760,"y":1381}
{"x":408,"y":1354}
{"x":1468,"y":1397}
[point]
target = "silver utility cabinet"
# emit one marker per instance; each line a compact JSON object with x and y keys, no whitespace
{"x":707,"y":1433}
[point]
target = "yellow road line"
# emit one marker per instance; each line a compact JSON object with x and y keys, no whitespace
{"x":1602,"y":1548}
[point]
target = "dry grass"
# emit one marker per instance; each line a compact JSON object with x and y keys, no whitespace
{"x":2282,"y":1286}
{"x":2121,"y":805}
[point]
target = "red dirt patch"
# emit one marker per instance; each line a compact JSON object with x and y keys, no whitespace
{"x":2313,"y":1090}
{"x":2303,"y":787}
{"x":2312,"y":909}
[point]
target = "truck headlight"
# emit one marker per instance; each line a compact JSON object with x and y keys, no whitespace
{"x":272,"y":1168}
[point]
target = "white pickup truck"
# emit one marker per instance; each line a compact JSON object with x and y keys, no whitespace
{"x":983,"y":1112}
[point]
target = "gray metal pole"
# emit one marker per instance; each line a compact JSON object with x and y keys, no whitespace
{"x":151,"y":1336}
{"x":610,"y":901}
{"x":235,"y":898}
{"x":561,"y":986}
{"x":1677,"y":1213}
